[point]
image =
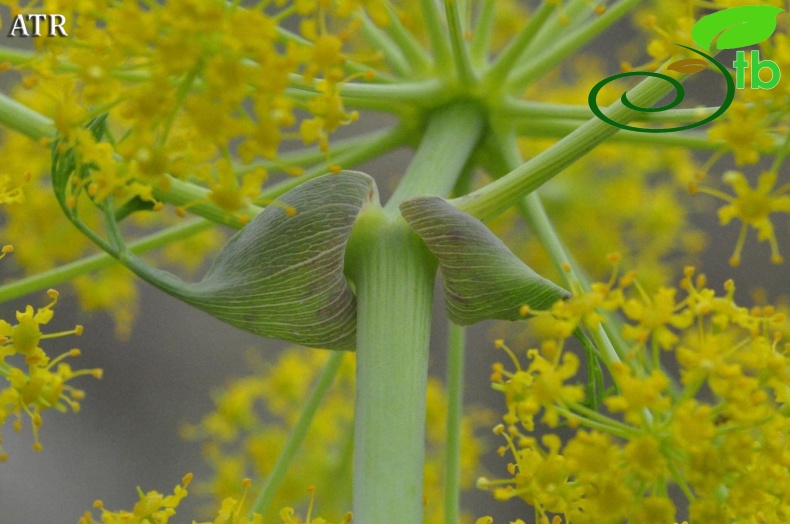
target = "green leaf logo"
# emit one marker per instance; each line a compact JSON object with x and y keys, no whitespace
{"x":736,"y":27}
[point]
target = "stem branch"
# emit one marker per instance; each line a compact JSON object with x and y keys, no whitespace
{"x":298,"y":433}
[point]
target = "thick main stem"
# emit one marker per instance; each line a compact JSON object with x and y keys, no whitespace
{"x":394,"y":278}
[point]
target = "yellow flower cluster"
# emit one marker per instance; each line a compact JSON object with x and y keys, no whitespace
{"x":34,"y":381}
{"x":239,"y":438}
{"x":189,"y":82}
{"x":753,"y":207}
{"x":155,"y":508}
{"x":715,"y":433}
{"x":751,"y":127}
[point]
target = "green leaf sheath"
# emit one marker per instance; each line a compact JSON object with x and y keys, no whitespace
{"x":483,"y":279}
{"x":282,"y":275}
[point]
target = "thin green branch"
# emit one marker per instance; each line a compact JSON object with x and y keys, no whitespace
{"x":532,"y":210}
{"x":314,"y":157}
{"x":376,"y":96}
{"x":461,"y":58}
{"x":409,"y":45}
{"x":434,"y":170}
{"x":565,"y":19}
{"x":572,"y":42}
{"x":66,"y":272}
{"x":546,"y":127}
{"x":21,"y":118}
{"x":514,"y":52}
{"x":275,"y":479}
{"x":526,"y":109}
{"x":439,"y":44}
{"x":14,"y":55}
{"x":377,"y":146}
{"x":19,"y":57}
{"x":198,"y":201}
{"x":382,"y":42}
{"x":481,"y":37}
{"x":456,"y":350}
{"x":491,"y":200}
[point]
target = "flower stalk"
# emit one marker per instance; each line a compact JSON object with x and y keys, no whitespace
{"x":394,"y":273}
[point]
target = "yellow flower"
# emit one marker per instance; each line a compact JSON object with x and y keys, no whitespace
{"x":745,"y":130}
{"x":45,"y":383}
{"x":655,"y":316}
{"x":10,"y":194}
{"x":638,"y":393}
{"x":753,"y":207}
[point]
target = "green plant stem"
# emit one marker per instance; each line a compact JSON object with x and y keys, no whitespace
{"x":515,"y":51}
{"x":314,"y":156}
{"x":529,"y":110}
{"x":381,"y":41}
{"x":532,"y":210}
{"x":553,"y":28}
{"x":544,"y":127}
{"x":455,"y":403}
{"x":493,"y":199}
{"x":21,"y":118}
{"x":452,"y":132}
{"x":298,"y":433}
{"x":15,"y":56}
{"x":409,"y":45}
{"x":72,"y":270}
{"x":394,"y":278}
{"x":463,"y":64}
{"x":377,"y":146}
{"x":182,"y":193}
{"x":393,"y":273}
{"x":372,"y":96}
{"x":481,"y":38}
{"x":572,"y":42}
{"x":439,"y":44}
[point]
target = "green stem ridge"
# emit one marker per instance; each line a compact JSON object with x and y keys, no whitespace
{"x":74,"y":269}
{"x":493,"y":199}
{"x":532,"y":209}
{"x":394,"y":278}
{"x":409,"y":45}
{"x":435,"y":26}
{"x":572,"y":42}
{"x":275,"y":479}
{"x":545,"y":127}
{"x":393,"y":274}
{"x":21,"y":118}
{"x":455,"y":403}
{"x":463,"y":63}
{"x":452,"y":132}
{"x":392,"y":53}
{"x":529,"y":110}
{"x":571,"y":11}
{"x":481,"y":38}
{"x":515,"y":51}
